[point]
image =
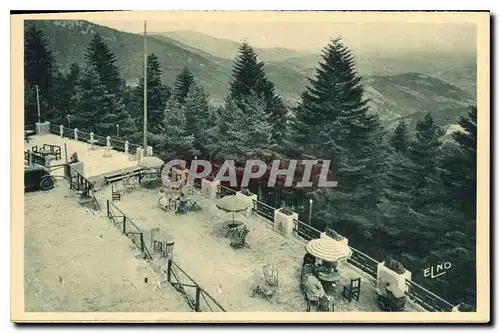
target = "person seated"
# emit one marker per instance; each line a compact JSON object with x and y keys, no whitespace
{"x":162,"y":200}
{"x":309,"y":259}
{"x":74,"y":158}
{"x":181,"y":207}
{"x":313,"y":288}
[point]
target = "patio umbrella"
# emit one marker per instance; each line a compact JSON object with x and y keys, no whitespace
{"x":328,"y":249}
{"x":232,"y":204}
{"x":150,"y":162}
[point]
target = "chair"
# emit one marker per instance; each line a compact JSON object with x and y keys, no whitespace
{"x":325,"y":304}
{"x":271,"y":282}
{"x":194,"y":207}
{"x":311,"y":302}
{"x":352,"y":291}
{"x":115,"y":193}
{"x":238,"y":238}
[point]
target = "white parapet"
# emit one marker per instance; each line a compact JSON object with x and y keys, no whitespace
{"x":209,"y":188}
{"x":42,"y":128}
{"x":249,"y":199}
{"x":283,"y":223}
{"x":343,"y":240}
{"x":387,"y":276}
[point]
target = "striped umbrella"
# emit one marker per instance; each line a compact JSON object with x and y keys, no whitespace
{"x":328,"y":249}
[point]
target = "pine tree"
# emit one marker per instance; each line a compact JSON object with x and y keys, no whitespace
{"x":64,"y":88}
{"x":400,"y":137}
{"x":95,"y":109}
{"x":333,"y":122}
{"x":424,"y":153}
{"x":182,"y":84}
{"x":157,"y":97}
{"x":39,"y":69}
{"x":88,"y":100}
{"x":99,"y":56}
{"x":200,"y":118}
{"x":174,"y":141}
{"x":459,"y":166}
{"x":249,"y":81}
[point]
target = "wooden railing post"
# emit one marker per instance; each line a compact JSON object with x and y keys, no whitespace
{"x":124,"y":224}
{"x":197,"y":304}
{"x":142,"y":242}
{"x":169,"y":270}
{"x":107,"y":208}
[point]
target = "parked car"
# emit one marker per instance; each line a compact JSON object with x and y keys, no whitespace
{"x":36,"y":178}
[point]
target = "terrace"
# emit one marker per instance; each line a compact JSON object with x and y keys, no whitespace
{"x":202,"y":255}
{"x":230,"y":275}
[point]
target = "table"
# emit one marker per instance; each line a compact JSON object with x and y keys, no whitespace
{"x":230,"y":226}
{"x":329,"y":281}
{"x":165,"y":243}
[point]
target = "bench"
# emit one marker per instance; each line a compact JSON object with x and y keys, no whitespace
{"x":110,"y":179}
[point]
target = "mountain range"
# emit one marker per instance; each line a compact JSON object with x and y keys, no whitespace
{"x":397,"y":85}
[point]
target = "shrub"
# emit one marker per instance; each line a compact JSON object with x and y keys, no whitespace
{"x":333,"y":234}
{"x":394,"y":265}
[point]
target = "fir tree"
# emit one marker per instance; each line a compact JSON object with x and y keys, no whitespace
{"x":459,"y":166}
{"x":424,"y":153}
{"x":199,"y":117}
{"x":38,"y":71}
{"x":88,"y":99}
{"x":182,"y":84}
{"x":64,"y":87}
{"x":174,"y":141}
{"x":249,"y":82}
{"x":99,"y":56}
{"x":95,"y":109}
{"x":400,"y":137}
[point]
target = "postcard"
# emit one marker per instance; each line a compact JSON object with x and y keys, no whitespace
{"x":251,"y":166}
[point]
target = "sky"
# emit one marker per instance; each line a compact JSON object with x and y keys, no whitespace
{"x":311,"y":34}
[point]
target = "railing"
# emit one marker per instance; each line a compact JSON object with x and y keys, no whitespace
{"x":68,"y":133}
{"x":54,"y":150}
{"x":128,"y":228}
{"x":54,"y":129}
{"x":117,"y":144}
{"x":132,"y":148}
{"x":364,"y":262}
{"x":99,"y":140}
{"x":83,"y":136}
{"x":198,"y":299}
{"x":223,"y":191}
{"x":304,"y":230}
{"x":263,"y":210}
{"x":79,"y":183}
{"x":35,"y":158}
{"x":427,"y":299}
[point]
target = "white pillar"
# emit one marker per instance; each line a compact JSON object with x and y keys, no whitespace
{"x":61,"y":130}
{"x":108,"y":142}
{"x":76,"y":134}
{"x":126,"y":146}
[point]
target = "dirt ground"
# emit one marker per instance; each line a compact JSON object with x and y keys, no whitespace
{"x":75,"y":261}
{"x":229,"y":275}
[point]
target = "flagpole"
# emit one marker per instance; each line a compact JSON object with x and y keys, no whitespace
{"x":145,"y":128}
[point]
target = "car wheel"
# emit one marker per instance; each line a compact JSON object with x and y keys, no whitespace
{"x":47,"y":184}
